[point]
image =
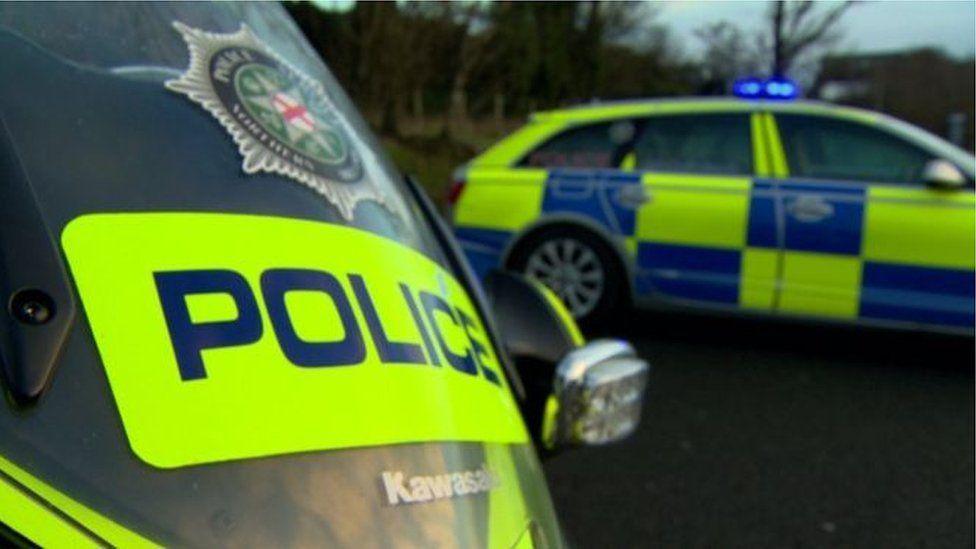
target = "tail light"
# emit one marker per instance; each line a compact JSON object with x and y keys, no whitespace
{"x":457,"y":187}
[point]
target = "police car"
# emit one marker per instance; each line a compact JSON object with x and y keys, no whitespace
{"x":761,"y":204}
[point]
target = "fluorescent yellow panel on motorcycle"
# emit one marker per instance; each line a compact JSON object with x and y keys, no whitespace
{"x":232,"y":336}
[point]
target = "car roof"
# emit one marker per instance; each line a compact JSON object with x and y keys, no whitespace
{"x":595,"y":111}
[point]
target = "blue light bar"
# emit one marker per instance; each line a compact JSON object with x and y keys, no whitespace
{"x":772,"y":88}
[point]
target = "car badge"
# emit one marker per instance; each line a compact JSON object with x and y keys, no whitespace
{"x":282,"y":120}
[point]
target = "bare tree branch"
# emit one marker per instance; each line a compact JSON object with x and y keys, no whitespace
{"x":797,"y":28}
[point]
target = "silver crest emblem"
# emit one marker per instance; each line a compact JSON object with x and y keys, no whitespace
{"x":282,"y":120}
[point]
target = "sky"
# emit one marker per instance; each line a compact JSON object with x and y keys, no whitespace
{"x":868,"y":26}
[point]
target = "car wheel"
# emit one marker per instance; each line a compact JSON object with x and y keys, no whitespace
{"x":577,"y":266}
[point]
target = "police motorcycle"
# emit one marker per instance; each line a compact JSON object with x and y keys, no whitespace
{"x":228,"y":320}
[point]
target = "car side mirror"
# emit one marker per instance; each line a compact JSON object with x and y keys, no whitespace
{"x":577,"y":393}
{"x":943,"y":174}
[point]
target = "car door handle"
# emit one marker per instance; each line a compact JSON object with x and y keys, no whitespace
{"x":810,"y":209}
{"x":633,"y":196}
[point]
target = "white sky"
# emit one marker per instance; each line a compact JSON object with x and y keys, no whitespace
{"x":868,"y":26}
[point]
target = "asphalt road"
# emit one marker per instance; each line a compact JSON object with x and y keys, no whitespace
{"x":765,"y":434}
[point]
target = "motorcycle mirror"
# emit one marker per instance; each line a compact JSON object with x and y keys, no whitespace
{"x":577,"y":394}
{"x":598,"y":393}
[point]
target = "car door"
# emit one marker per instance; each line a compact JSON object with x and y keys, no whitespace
{"x":510,"y":187}
{"x":692,"y":237}
{"x":584,"y":182}
{"x":863,"y":237}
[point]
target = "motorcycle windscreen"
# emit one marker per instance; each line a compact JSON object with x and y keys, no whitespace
{"x":272,"y":348}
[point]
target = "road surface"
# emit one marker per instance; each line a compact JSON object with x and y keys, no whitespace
{"x":767,"y":434}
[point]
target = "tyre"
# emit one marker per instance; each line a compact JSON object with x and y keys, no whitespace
{"x":578,"y":266}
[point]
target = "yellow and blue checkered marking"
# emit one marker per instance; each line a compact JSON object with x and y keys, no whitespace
{"x":589,"y":194}
{"x":762,"y":216}
{"x":840,"y":233}
{"x":830,"y":268}
{"x":732,"y":241}
{"x":917,"y":294}
{"x":689,"y":272}
{"x":593,"y":194}
{"x":482,"y":247}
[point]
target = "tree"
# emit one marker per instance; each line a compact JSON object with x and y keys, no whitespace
{"x":473,"y":49}
{"x":796,"y":27}
{"x":471,"y":59}
{"x":727,"y":55}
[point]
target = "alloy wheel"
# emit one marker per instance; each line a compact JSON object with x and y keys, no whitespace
{"x":572,"y":270}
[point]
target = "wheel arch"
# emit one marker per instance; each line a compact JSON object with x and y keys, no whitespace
{"x":578,"y":223}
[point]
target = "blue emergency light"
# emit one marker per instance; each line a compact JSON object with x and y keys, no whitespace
{"x":772,"y":88}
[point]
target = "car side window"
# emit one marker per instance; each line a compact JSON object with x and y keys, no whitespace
{"x":827,"y":148}
{"x":701,"y":143}
{"x":591,"y":146}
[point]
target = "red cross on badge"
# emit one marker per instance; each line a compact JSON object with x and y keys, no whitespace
{"x":293,"y":112}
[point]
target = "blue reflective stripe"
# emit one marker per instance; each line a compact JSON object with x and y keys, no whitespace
{"x":488,"y":238}
{"x":482,"y":247}
{"x":691,"y":272}
{"x":693,"y":288}
{"x":694,"y":258}
{"x":839,"y":233}
{"x":917,"y":294}
{"x":593,"y":194}
{"x":855,"y":189}
{"x":481,"y":261}
{"x":912,"y":313}
{"x":919,"y":279}
{"x":762,"y":217}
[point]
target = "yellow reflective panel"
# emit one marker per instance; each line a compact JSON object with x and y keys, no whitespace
{"x":630,"y":245}
{"x":499,"y":198}
{"x":340,"y":338}
{"x":512,"y":148}
{"x":47,"y":530}
{"x":525,"y":540}
{"x":820,"y":284}
{"x":36,"y":522}
{"x":211,"y":307}
{"x":920,"y":226}
{"x":777,"y":156}
{"x":629,"y":162}
{"x":550,"y":416}
{"x":759,"y":145}
{"x":823,"y":109}
{"x":695,"y":209}
{"x":623,"y":109}
{"x":508,"y":519}
{"x":757,"y":287}
{"x":559,"y":309}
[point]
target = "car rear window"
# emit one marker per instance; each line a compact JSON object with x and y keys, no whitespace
{"x":705,"y":143}
{"x":592,"y":146}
